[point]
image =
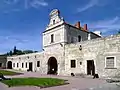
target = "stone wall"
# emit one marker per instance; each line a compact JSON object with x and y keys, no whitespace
{"x":3,"y":60}
{"x":97,"y":50}
{"x":55,"y":51}
{"x":34,"y":57}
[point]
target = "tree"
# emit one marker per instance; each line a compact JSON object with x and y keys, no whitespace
{"x":119,"y":32}
{"x":10,"y":53}
{"x":19,"y":52}
{"x":28,"y":51}
{"x":7,"y":54}
{"x":14,"y":50}
{"x":35,"y":51}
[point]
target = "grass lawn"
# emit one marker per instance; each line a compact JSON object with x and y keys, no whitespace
{"x":41,"y":82}
{"x":5,"y":72}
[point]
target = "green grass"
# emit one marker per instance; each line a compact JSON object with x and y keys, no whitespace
{"x":42,"y":82}
{"x":5,"y":72}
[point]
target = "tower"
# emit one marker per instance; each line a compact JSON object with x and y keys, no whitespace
{"x":54,"y":33}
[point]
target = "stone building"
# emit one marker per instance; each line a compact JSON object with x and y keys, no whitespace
{"x":3,"y":60}
{"x":71,"y":49}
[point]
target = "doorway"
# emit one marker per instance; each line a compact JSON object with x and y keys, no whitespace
{"x":52,"y":66}
{"x":90,"y":67}
{"x":0,"y":65}
{"x":30,"y":66}
{"x":9,"y":65}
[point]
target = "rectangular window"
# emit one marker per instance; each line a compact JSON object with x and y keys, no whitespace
{"x":110,"y":62}
{"x":72,"y":40}
{"x":26,"y":64}
{"x":73,"y":63}
{"x":79,"y":38}
{"x":52,"y":38}
{"x":22,"y":65}
{"x":13,"y":64}
{"x":17,"y":65}
{"x":38,"y":63}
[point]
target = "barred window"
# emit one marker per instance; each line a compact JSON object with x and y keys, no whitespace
{"x":110,"y":62}
{"x":73,"y":63}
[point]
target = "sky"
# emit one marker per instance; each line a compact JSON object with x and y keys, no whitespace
{"x":23,"y":21}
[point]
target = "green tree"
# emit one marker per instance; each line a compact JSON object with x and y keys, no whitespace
{"x":10,"y":53}
{"x":119,"y":32}
{"x":14,"y":50}
{"x":28,"y":51}
{"x":19,"y":52}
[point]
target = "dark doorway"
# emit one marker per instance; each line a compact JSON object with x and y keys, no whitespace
{"x":30,"y":66}
{"x":90,"y":67}
{"x":9,"y":65}
{"x":52,"y":66}
{"x":0,"y":64}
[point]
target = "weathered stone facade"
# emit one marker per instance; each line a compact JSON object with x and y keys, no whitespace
{"x":89,"y":53}
{"x":3,"y":60}
{"x":97,"y":50}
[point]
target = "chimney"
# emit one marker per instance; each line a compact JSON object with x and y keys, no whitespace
{"x":77,"y":25}
{"x":85,"y":27}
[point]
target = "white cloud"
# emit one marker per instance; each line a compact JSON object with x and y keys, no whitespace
{"x":87,"y":6}
{"x":37,"y":3}
{"x":93,"y":3}
{"x":10,"y":1}
{"x":18,"y":5}
{"x":21,"y":41}
{"x":105,"y":26}
{"x":12,"y":10}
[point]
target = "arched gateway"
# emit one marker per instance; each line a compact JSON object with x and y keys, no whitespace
{"x":52,"y":66}
{"x":9,"y":65}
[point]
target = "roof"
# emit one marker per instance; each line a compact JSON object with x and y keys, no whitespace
{"x":81,"y":28}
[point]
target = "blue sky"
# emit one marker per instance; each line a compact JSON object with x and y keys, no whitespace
{"x":23,"y":21}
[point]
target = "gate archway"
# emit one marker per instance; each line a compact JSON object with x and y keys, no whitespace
{"x":52,"y":66}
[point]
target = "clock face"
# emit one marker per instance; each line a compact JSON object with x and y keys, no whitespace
{"x":54,"y":12}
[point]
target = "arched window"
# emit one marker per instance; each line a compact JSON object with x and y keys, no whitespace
{"x":53,"y":21}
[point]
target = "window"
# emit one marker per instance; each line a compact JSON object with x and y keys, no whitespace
{"x":17,"y":65}
{"x":72,"y":39}
{"x":28,"y":57}
{"x":52,"y":37}
{"x":110,"y":62}
{"x":79,"y":38}
{"x":53,"y":21}
{"x":80,"y":63}
{"x":73,"y":63}
{"x":38,"y":63}
{"x":26,"y":64}
{"x":22,"y":65}
{"x":0,"y":64}
{"x":13,"y":64}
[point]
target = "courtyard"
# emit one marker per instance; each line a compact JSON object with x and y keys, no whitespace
{"x":75,"y":83}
